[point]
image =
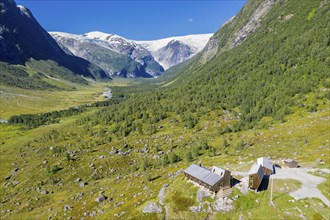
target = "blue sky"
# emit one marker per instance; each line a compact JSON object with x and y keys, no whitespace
{"x":138,"y":20}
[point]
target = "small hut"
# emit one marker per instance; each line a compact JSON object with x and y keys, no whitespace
{"x":291,"y":163}
{"x":266,"y":164}
{"x":214,"y":180}
{"x":256,"y":175}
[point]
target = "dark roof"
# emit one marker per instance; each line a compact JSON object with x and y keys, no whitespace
{"x":203,"y":174}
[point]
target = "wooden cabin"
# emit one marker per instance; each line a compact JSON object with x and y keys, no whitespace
{"x":266,"y":165}
{"x":256,"y":174}
{"x":214,"y":179}
{"x":291,"y":163}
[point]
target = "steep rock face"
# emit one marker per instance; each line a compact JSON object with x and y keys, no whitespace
{"x":236,"y":30}
{"x":130,"y":49}
{"x":22,"y":39}
{"x":173,"y":53}
{"x":253,"y":23}
{"x":112,"y":62}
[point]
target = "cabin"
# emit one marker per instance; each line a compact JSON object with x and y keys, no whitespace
{"x":266,"y":165}
{"x":291,"y":163}
{"x":214,"y":180}
{"x":256,"y":174}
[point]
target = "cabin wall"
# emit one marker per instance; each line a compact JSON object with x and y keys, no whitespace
{"x":198,"y":181}
{"x":254,"y":181}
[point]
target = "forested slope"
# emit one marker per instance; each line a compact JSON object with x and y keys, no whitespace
{"x":267,"y":74}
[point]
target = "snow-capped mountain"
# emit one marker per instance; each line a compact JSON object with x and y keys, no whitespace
{"x":174,"y":50}
{"x":114,"y":54}
{"x":119,"y":56}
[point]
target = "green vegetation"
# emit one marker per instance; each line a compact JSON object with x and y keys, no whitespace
{"x":267,"y":97}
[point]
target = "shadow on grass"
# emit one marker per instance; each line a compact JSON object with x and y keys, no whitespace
{"x":235,"y":182}
{"x":264,"y":184}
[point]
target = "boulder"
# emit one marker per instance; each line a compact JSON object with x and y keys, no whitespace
{"x":223,"y":204}
{"x":100,"y":198}
{"x":201,"y":194}
{"x":152,"y":207}
{"x":82,"y":184}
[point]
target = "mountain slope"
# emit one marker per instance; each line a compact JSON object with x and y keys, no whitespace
{"x":23,"y":40}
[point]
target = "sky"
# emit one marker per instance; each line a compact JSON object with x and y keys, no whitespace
{"x":137,"y":20}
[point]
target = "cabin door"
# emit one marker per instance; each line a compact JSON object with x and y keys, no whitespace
{"x":250,"y":181}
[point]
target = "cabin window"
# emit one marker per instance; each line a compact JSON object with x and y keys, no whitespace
{"x":213,"y":170}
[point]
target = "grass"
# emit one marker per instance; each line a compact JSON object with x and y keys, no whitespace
{"x":15,"y":101}
{"x":304,"y":136}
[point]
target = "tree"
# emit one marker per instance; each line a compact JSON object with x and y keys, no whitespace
{"x":165,"y":160}
{"x":189,"y":156}
{"x":144,"y":164}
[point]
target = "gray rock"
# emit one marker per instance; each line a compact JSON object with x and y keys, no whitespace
{"x":201,"y":194}
{"x":8,"y":177}
{"x":223,"y":204}
{"x":44,"y":192}
{"x":319,"y":160}
{"x":67,"y":207}
{"x":152,"y":208}
{"x":82,"y":184}
{"x":15,"y":183}
{"x":195,"y":209}
{"x":161,"y":194}
{"x":100,"y":198}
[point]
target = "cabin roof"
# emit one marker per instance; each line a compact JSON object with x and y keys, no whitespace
{"x":218,"y":170}
{"x":254,"y":169}
{"x":203,"y":174}
{"x":289,"y":160}
{"x":265,"y":162}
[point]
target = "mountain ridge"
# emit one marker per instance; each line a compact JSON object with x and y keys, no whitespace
{"x":149,"y":54}
{"x":18,"y":21}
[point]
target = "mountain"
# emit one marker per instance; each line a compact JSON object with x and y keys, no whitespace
{"x":23,"y":41}
{"x":173,"y":50}
{"x":116,"y":55}
{"x":119,"y":56}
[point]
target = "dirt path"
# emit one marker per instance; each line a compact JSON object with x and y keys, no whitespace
{"x":309,"y":182}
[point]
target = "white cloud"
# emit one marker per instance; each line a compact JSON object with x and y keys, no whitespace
{"x":190,"y":19}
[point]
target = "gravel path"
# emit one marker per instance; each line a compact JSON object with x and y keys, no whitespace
{"x":309,"y":182}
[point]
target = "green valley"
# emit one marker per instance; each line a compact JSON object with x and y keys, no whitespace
{"x":260,"y":88}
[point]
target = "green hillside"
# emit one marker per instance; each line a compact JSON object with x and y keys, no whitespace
{"x":266,"y":94}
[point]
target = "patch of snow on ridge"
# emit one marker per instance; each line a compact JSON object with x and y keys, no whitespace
{"x":197,"y":41}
